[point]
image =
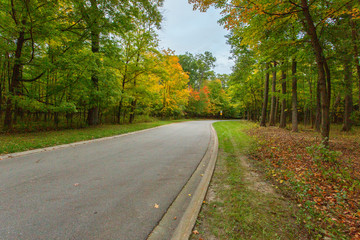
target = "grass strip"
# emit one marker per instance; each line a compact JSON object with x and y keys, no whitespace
{"x":239,"y":203}
{"x":10,"y":143}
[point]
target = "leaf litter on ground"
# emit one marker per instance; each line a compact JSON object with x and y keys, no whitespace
{"x":324,"y":182}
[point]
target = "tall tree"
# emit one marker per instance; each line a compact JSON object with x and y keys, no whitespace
{"x":348,"y":94}
{"x":314,"y":17}
{"x":266,"y":97}
{"x":199,"y":67}
{"x":272,"y":119}
{"x":294,"y":99}
{"x":105,"y":17}
{"x":283,"y":97}
{"x":23,"y":25}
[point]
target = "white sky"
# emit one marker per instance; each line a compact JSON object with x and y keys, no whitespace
{"x":185,"y":30}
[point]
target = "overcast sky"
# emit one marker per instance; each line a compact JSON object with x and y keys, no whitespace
{"x":185,"y":30}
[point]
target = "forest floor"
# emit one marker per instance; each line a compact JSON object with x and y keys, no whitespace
{"x":16,"y":142}
{"x":325,"y":183}
{"x":271,"y":183}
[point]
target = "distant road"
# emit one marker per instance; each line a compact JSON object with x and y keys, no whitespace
{"x":101,"y":190}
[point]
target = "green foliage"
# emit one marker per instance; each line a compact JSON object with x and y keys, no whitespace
{"x":322,"y":38}
{"x":71,"y":57}
{"x":321,"y":153}
{"x":355,"y":117}
{"x":212,"y":100}
{"x":199,"y":67}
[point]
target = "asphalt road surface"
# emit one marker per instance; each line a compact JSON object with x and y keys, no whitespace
{"x":100,"y":190}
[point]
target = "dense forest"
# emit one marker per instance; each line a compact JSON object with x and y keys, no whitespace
{"x":76,"y":63}
{"x":294,"y":59}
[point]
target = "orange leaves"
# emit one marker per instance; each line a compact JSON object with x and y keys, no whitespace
{"x":173,"y":84}
{"x":200,"y":102}
{"x":202,"y":5}
{"x":327,"y":191}
{"x":194,"y":94}
{"x":205,"y":90}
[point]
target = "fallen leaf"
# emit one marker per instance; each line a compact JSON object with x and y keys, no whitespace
{"x":76,"y":184}
{"x":189,"y":195}
{"x":156,"y":206}
{"x":195,"y":232}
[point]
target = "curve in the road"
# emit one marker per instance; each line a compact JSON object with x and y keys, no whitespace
{"x":100,"y":190}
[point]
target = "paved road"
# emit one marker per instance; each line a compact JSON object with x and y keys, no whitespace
{"x":102,"y":190}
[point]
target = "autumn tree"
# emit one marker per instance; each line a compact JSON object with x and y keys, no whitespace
{"x":55,"y":56}
{"x":313,"y":18}
{"x":199,"y":67}
{"x":102,"y":19}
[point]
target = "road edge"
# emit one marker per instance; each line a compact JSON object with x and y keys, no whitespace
{"x":187,"y":221}
{"x":55,"y":147}
{"x":184,"y":229}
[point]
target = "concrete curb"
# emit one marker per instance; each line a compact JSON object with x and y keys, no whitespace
{"x":183,"y":231}
{"x":19,"y":154}
{"x":184,"y":228}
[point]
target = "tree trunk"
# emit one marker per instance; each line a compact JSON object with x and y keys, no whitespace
{"x":323,"y":72}
{"x":124,"y":79}
{"x":318,"y":109}
{"x":15,"y":79}
{"x":93,"y":114}
{"x":348,"y":95}
{"x":132,"y":111}
{"x":273,"y":99}
{"x":56,"y":119}
{"x":283,"y":102}
{"x":5,"y":75}
{"x":1,"y":95}
{"x":277,"y":102}
{"x":119,"y":111}
{"x":294,"y":103}
{"x":134,"y":101}
{"x":335,"y":107}
{"x":266,"y":97}
{"x":312,"y":109}
{"x":355,"y":38}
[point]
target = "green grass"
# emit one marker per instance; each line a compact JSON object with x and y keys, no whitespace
{"x":237,"y":208}
{"x":10,"y":143}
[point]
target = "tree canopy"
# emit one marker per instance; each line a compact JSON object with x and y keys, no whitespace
{"x":313,"y":43}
